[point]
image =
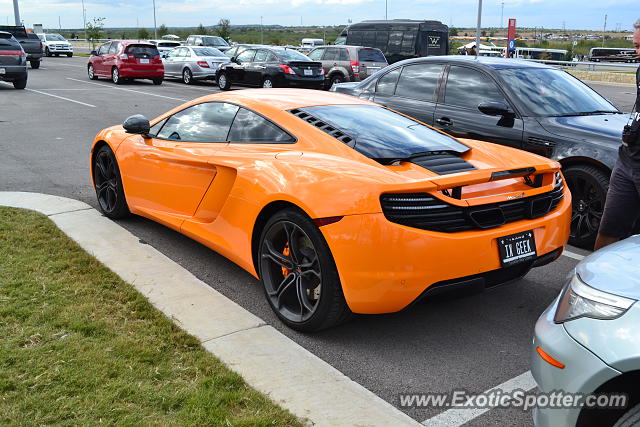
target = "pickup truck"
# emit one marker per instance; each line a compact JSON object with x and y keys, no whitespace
{"x":30,"y":43}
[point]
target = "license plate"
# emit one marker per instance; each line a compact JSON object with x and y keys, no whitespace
{"x":144,"y":61}
{"x":517,"y":248}
{"x":3,"y":71}
{"x":308,"y":72}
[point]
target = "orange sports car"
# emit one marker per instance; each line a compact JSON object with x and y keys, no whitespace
{"x":338,"y":205}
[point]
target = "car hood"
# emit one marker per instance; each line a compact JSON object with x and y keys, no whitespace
{"x":614,"y":269}
{"x":605,"y":128}
{"x":348,"y":88}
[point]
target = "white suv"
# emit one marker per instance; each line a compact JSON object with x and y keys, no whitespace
{"x":55,"y":44}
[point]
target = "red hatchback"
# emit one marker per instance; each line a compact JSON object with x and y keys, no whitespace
{"x":122,"y":60}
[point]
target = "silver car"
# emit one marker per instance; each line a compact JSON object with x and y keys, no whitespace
{"x":165,"y":46}
{"x":191,"y":63}
{"x":588,"y":341}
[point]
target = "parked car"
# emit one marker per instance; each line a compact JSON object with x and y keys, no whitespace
{"x":13,"y":61}
{"x":209,"y":41}
{"x":522,"y":104}
{"x":270,"y":67}
{"x":348,"y":63}
{"x":122,"y":60}
{"x":165,"y":46}
{"x":337,"y":204}
{"x":236,"y":49}
{"x":30,"y":43}
{"x":587,"y":341}
{"x":55,"y":45}
{"x":191,"y":63}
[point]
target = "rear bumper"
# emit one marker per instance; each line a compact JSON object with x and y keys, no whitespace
{"x":384,"y":266}
{"x":13,"y":72}
{"x":152,"y":73}
{"x":308,"y":82}
{"x":204,"y":74}
{"x":34,"y":56}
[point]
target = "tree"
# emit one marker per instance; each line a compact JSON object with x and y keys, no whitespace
{"x":143,"y":34}
{"x":201,"y":30}
{"x":94,"y":30}
{"x":483,"y":33}
{"x":453,"y":31}
{"x":224,"y":29}
{"x":162,"y":30}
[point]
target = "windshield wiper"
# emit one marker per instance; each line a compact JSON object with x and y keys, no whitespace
{"x":586,"y":113}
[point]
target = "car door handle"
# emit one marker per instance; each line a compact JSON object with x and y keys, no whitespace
{"x":262,"y":67}
{"x":444,"y":121}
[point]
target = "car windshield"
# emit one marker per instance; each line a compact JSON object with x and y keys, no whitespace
{"x":207,"y":51}
{"x":292,"y":55}
{"x":382,"y":134}
{"x":55,"y":38}
{"x":553,"y":93}
{"x":214,"y":41}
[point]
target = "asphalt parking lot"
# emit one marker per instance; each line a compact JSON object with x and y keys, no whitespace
{"x":472,"y":342}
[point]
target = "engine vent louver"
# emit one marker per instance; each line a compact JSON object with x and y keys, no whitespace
{"x":443,"y":163}
{"x":541,"y":142}
{"x":421,"y":210}
{"x":336,"y":133}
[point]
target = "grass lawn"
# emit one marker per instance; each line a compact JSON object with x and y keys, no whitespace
{"x":81,"y":347}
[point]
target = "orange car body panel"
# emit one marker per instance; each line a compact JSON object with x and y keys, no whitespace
{"x":214,"y":192}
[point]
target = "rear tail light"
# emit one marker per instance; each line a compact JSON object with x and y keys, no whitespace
{"x":12,"y":52}
{"x":287,"y":69}
{"x":322,"y":71}
{"x":124,"y":56}
{"x":203,"y":64}
{"x":41,"y":46}
{"x":355,"y":67}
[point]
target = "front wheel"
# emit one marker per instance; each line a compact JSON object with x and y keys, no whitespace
{"x":336,"y":79}
{"x":589,"y":187}
{"x":108,"y":184}
{"x":91,"y":72}
{"x":223,"y":82}
{"x":20,"y":84}
{"x":299,"y":276}
{"x":187,"y":76}
{"x":47,"y":52}
{"x":69,"y":55}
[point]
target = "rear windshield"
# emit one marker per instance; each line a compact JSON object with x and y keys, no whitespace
{"x":382,"y":134}
{"x":33,"y":36}
{"x":142,"y":51}
{"x":5,"y":36}
{"x":371,"y":55}
{"x":214,"y":41}
{"x":292,"y":55}
{"x":207,"y":51}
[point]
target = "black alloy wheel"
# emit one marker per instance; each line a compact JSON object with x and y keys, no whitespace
{"x":299,"y":275}
{"x":108,"y":184}
{"x":588,"y":187}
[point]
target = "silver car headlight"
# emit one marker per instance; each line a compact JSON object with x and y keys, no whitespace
{"x":580,"y":300}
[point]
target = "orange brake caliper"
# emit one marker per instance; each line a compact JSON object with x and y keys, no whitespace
{"x":286,"y":252}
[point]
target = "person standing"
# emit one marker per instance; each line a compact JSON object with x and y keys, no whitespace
{"x":622,"y":207}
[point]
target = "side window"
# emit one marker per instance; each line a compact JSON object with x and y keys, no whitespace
{"x":250,"y":127}
{"x":153,"y":131}
{"x":113,"y":48}
{"x":316,"y":54}
{"x":344,"y":55}
{"x":419,"y":81}
{"x":332,"y":54}
{"x":185,"y":52}
{"x":272,"y":58}
{"x":246,"y":55}
{"x":387,"y":83}
{"x":104,"y":49}
{"x":189,"y":39}
{"x":369,"y":38}
{"x":206,"y":122}
{"x":261,"y":56}
{"x":382,"y":39}
{"x":173,"y":53}
{"x":468,"y":88}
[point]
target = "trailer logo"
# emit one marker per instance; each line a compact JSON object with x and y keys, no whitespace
{"x":434,"y":41}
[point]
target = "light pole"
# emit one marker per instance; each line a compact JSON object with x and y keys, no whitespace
{"x":604,"y":30}
{"x":502,"y":16}
{"x":155,"y":29}
{"x":385,"y":10}
{"x":262,"y":33}
{"x":84,"y":21}
{"x":478,"y":27}
{"x":16,"y":12}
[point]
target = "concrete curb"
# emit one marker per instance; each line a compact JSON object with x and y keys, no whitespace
{"x":270,"y":362}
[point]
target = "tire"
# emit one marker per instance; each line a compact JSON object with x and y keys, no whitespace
{"x":115,"y":76}
{"x":47,"y":52}
{"x":35,"y":64}
{"x":108,"y":184}
{"x":187,"y":76}
{"x":20,"y":84}
{"x":56,"y":55}
{"x":157,"y":81}
{"x":336,"y":78}
{"x":91,"y":72}
{"x":307,"y":296}
{"x":267,"y":83}
{"x":589,"y":186}
{"x":69,"y":55}
{"x":223,"y":82}
{"x":630,"y":418}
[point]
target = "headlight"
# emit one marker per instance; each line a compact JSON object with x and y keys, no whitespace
{"x":580,"y":300}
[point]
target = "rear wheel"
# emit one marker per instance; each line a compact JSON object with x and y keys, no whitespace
{"x":108,"y":184}
{"x":115,"y":76}
{"x":187,"y":76}
{"x":267,"y":83}
{"x":157,"y":81}
{"x":20,"y":84}
{"x":91,"y":72}
{"x":299,"y":276}
{"x":69,"y":55}
{"x":336,"y":78}
{"x":589,"y":187}
{"x":35,"y":64}
{"x":223,"y":82}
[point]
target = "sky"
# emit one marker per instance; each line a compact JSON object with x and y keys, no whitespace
{"x":572,"y":14}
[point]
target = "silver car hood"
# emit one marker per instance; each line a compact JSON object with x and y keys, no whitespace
{"x":614,"y":269}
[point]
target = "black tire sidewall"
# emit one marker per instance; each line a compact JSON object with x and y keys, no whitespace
{"x":186,"y":71}
{"x":602,"y":181}
{"x":121,"y":209}
{"x":268,"y":79}
{"x":227,"y":84}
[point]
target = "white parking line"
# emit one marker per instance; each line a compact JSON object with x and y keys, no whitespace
{"x":71,"y":65}
{"x":128,"y":90}
{"x":212,"y":89}
{"x":456,"y":417}
{"x":62,"y":97}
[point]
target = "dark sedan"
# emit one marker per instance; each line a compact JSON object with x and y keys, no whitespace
{"x":522,"y":104}
{"x":271,"y":67}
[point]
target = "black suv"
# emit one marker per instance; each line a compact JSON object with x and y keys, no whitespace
{"x":13,"y":61}
{"x":522,"y":104}
{"x":270,"y":67}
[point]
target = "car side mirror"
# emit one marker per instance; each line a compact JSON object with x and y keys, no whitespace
{"x":495,"y":108}
{"x":234,"y":59}
{"x":137,"y":124}
{"x":94,"y":53}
